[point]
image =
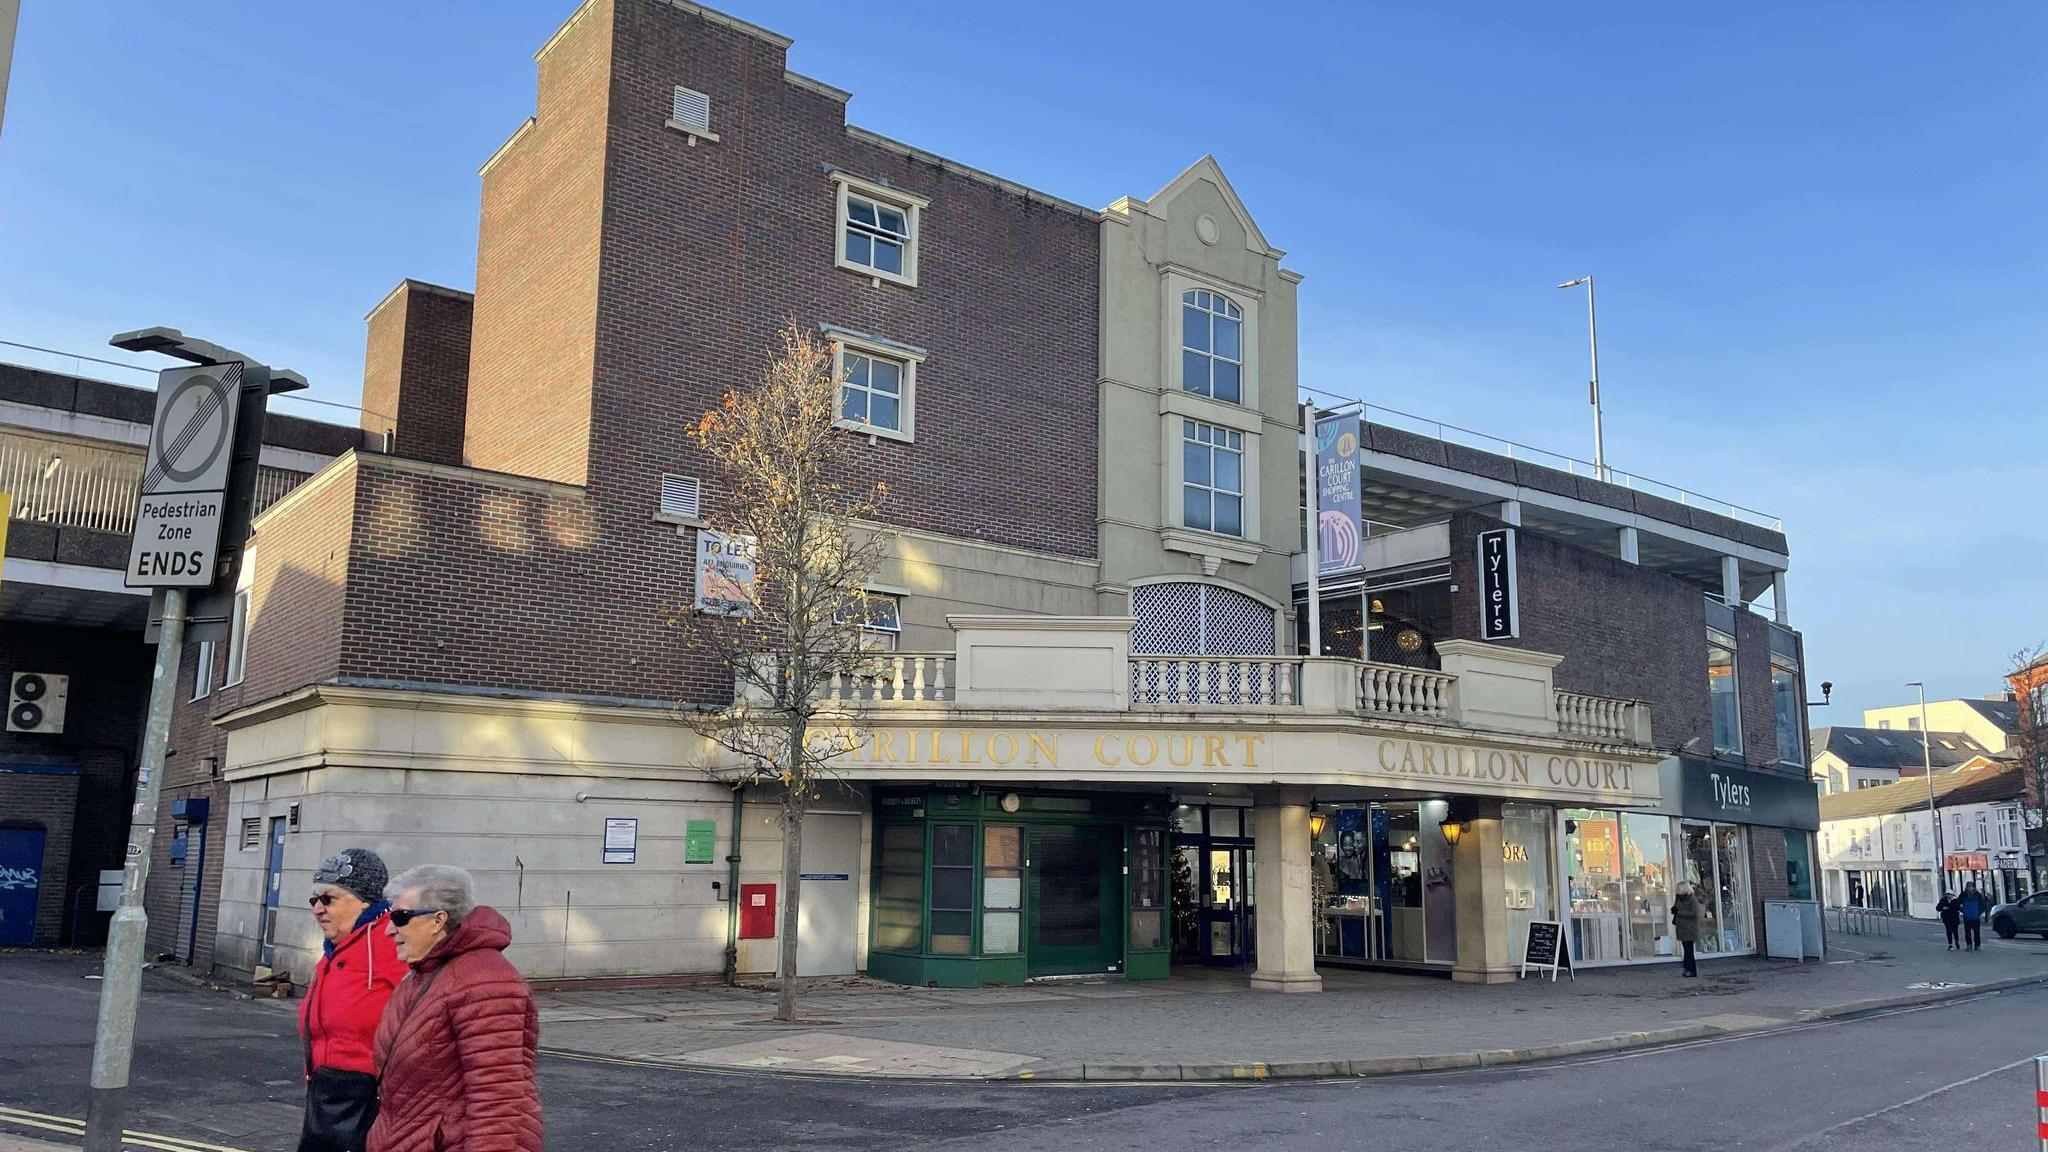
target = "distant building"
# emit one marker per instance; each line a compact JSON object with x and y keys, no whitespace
{"x":1845,"y":759}
{"x":1878,"y":849}
{"x":1992,"y":721}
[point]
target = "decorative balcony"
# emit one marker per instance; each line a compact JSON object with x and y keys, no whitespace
{"x":1046,"y":664}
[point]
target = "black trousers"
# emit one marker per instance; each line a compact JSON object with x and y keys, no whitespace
{"x":1691,"y":967}
{"x":1955,"y":929}
{"x":1973,"y":933}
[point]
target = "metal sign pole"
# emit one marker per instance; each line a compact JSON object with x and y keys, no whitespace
{"x":2041,"y":1099}
{"x":121,"y":982}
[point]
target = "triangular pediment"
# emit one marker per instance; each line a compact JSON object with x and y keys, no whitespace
{"x":1206,"y":170}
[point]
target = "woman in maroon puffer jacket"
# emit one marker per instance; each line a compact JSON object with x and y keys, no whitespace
{"x":455,"y":1051}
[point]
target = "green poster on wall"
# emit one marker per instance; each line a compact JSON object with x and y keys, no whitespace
{"x":700,"y":839}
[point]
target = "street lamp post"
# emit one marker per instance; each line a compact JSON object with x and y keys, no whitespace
{"x":1593,"y":339}
{"x":1933,"y":817}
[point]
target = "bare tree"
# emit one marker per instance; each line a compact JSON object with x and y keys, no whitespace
{"x":2029,"y":682}
{"x":783,"y":614}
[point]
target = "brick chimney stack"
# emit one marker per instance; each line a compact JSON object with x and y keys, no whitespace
{"x":416,"y":371}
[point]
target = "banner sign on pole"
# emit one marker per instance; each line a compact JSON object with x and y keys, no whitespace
{"x":1339,"y":531}
{"x":185,"y":478}
{"x":725,"y":574}
{"x":1499,"y":618}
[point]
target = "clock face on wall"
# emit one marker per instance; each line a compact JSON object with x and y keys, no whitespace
{"x":1011,"y":802}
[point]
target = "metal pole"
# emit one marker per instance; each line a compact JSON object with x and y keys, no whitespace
{"x":2041,"y":1100}
{"x":1933,"y":817}
{"x":1593,"y":338}
{"x":121,"y":981}
{"x":1315,"y":543}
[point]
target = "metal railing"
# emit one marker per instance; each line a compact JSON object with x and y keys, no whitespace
{"x":1216,"y":680}
{"x":1571,"y":465}
{"x":76,"y":484}
{"x":1854,"y":921}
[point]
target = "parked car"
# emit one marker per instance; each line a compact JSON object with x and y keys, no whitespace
{"x":2028,"y":915}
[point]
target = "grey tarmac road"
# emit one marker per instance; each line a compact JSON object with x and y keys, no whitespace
{"x":1954,"y":1077}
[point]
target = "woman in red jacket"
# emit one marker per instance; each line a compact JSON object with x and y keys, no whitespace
{"x":339,"y":1016}
{"x":455,"y":1052}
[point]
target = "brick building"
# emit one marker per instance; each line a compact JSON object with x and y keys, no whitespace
{"x":460,"y":652}
{"x":71,"y":450}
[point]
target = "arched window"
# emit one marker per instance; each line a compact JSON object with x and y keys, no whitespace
{"x":1186,"y":618}
{"x":1211,"y":352}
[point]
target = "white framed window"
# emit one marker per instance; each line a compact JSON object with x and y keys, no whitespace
{"x":1211,"y":346}
{"x":876,"y":233}
{"x":1212,"y":478}
{"x":1898,"y":838}
{"x":238,"y":624}
{"x":1955,"y":830}
{"x":690,"y":114}
{"x":879,"y":616}
{"x":877,"y":384}
{"x":202,"y":678}
{"x":2008,"y":827}
{"x":1983,"y":830}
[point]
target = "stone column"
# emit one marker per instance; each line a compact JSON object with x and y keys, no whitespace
{"x":1485,"y":954}
{"x":1778,"y":599}
{"x":1631,"y":544}
{"x":1285,"y":888}
{"x":1731,"y":582}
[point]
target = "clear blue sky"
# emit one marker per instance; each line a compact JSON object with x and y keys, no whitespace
{"x":1819,"y":230}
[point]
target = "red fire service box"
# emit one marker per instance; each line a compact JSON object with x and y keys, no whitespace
{"x":757,"y":911}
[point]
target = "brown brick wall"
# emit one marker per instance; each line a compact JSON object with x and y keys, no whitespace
{"x":708,"y":249}
{"x":537,"y":269}
{"x":1622,"y":630}
{"x":416,"y":371}
{"x":1753,"y":691}
{"x":43,"y":797}
{"x":191,"y":769}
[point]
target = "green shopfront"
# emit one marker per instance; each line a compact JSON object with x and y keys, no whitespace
{"x":984,"y":885}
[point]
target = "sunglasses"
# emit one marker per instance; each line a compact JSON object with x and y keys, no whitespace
{"x":400,"y":917}
{"x":323,"y":900}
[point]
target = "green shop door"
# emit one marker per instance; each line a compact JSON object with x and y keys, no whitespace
{"x":1076,"y":892}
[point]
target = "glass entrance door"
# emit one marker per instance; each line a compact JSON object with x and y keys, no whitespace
{"x":1227,"y":925}
{"x":1076,"y":899}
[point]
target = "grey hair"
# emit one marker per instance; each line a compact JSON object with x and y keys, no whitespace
{"x":441,"y":888}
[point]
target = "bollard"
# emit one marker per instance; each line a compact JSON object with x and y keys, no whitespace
{"x":2041,"y":1099}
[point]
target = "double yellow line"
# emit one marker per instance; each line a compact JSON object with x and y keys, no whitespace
{"x":65,"y":1125}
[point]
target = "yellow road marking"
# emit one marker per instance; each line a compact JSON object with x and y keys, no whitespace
{"x":71,"y":1127}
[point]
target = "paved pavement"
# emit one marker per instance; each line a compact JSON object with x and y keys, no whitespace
{"x":1206,"y":1025}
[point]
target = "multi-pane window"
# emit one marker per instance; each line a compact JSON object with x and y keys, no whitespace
{"x":879,"y":617}
{"x":1211,"y":351}
{"x":952,"y":900}
{"x":1002,"y":889}
{"x":875,"y":235}
{"x":1212,"y":478}
{"x":2008,"y":827}
{"x":1148,"y":888}
{"x":1721,"y":691}
{"x":899,"y":889}
{"x":238,"y":623}
{"x":1787,"y":704}
{"x":202,"y":679}
{"x":871,"y":392}
{"x":1983,"y":830}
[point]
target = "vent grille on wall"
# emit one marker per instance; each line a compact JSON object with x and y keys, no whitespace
{"x":681,"y":496}
{"x":692,"y":109}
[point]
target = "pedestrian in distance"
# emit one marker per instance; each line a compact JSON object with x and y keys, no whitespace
{"x":1971,"y":904}
{"x":338,"y":1019}
{"x":1951,"y":914}
{"x":1685,"y":924}
{"x":456,"y":1050}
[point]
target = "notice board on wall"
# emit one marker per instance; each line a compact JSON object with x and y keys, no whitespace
{"x":700,"y":841}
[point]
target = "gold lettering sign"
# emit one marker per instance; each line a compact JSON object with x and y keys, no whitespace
{"x":1033,"y":748}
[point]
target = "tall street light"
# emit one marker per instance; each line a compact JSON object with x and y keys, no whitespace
{"x":1927,"y":770}
{"x":1593,"y":338}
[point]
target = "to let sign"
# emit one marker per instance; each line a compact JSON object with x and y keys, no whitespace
{"x":185,"y":478}
{"x":1499,"y":617}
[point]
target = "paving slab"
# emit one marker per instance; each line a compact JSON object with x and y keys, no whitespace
{"x":1206,"y":1024}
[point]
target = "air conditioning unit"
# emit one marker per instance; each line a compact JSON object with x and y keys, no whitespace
{"x":35,"y":702}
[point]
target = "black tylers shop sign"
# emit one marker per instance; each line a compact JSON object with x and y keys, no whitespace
{"x":1499,"y":617}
